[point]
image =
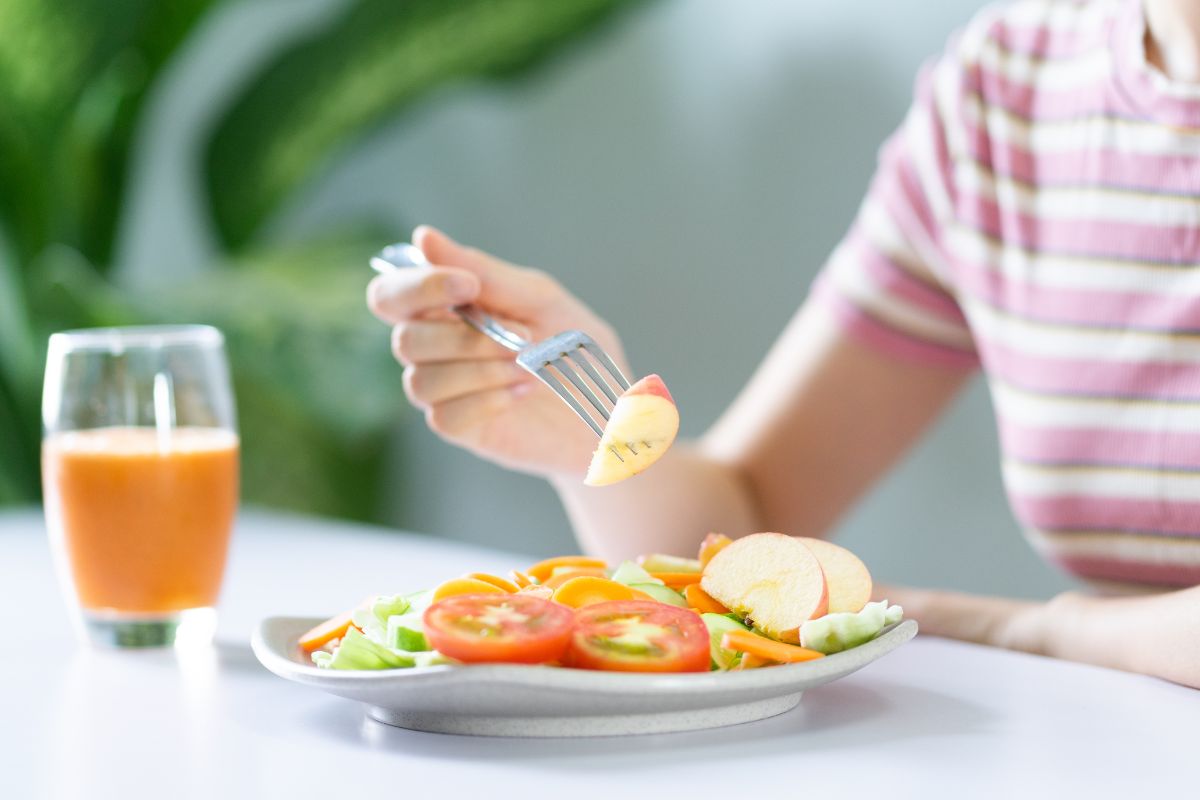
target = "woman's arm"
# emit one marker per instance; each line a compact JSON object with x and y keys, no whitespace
{"x":821,"y":419}
{"x":1152,"y":634}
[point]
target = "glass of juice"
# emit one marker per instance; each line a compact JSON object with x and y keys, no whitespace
{"x":140,"y":478}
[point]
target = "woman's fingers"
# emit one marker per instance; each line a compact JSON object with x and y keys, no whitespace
{"x":428,"y":385}
{"x":453,"y":419}
{"x":423,"y":341}
{"x":408,"y":293}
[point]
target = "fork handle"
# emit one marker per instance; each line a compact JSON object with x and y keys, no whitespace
{"x":403,"y":255}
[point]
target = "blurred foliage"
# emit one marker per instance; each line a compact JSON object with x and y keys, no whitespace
{"x":379,"y":57}
{"x":316,"y":391}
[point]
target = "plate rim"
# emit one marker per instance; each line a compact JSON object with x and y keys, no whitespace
{"x":281,"y":664}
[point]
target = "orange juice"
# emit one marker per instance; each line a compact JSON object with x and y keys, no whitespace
{"x":145,"y":519}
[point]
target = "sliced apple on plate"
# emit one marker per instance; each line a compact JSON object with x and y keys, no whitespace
{"x":847,"y":577}
{"x":773,"y":579}
{"x":641,"y":427}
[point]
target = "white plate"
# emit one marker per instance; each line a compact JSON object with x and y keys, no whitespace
{"x":520,"y":700}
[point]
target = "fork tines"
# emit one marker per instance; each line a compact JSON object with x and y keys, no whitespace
{"x":569,"y":354}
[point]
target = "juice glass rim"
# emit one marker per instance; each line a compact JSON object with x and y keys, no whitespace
{"x":118,"y":339}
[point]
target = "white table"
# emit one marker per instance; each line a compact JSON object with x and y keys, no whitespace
{"x":934,"y":719}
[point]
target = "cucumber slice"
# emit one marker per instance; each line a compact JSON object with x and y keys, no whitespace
{"x":718,"y":625}
{"x":662,"y":594}
{"x":659,"y":562}
{"x":630,"y":573}
{"x":405,"y":632}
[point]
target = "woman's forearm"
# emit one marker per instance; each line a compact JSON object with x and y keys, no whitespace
{"x":1154,"y":634}
{"x":668,"y":509}
{"x":823,"y":417}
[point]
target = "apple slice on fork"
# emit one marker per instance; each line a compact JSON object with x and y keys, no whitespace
{"x":642,"y":426}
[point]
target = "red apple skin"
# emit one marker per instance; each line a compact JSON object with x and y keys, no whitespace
{"x":848,"y":581}
{"x":651,"y":384}
{"x":650,"y":395}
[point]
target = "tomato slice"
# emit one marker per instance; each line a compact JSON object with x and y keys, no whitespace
{"x":508,"y":628}
{"x":639,"y":636}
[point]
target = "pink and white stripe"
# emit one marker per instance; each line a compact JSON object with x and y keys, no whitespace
{"x":1038,"y":214}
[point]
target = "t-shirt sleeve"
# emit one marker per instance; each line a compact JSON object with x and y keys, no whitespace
{"x":888,"y":283}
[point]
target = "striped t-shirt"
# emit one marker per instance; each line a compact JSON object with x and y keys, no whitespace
{"x":1038,"y":215}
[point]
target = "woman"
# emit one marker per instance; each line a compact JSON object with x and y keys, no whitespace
{"x":1036,"y":216}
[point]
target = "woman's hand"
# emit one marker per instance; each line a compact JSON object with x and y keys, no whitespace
{"x":1157,"y":634}
{"x":470,"y":388}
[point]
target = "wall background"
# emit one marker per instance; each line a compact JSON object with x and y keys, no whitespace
{"x":694,"y":163}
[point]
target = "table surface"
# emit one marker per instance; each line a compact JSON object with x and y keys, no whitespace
{"x":934,"y":719}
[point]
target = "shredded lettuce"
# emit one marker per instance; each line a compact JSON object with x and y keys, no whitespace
{"x":356,"y":651}
{"x":373,"y":620}
{"x":391,"y":637}
{"x":432,"y":658}
{"x":419,"y":601}
{"x":834,"y":633}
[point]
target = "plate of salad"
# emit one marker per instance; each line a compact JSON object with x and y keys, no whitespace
{"x":572,"y":646}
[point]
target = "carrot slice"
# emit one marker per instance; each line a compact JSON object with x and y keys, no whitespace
{"x":543,"y":569}
{"x":456,"y":586}
{"x":751,"y":661}
{"x":586,"y":590}
{"x":332,"y":628}
{"x":701,"y":600}
{"x":520,"y":578}
{"x":327,"y":631}
{"x":753,"y":644}
{"x":557,"y":580}
{"x":712,"y":544}
{"x":494,"y":580}
{"x":677,"y":580}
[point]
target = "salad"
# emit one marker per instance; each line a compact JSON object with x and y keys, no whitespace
{"x":762,"y":600}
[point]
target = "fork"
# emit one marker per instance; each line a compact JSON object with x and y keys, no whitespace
{"x":565,"y":353}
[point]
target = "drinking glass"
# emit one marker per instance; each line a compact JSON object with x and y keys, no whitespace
{"x":140,"y":479}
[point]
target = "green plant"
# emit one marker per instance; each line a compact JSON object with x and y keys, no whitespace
{"x":75,"y":77}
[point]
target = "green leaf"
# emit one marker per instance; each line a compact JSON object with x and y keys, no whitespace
{"x":20,"y":373}
{"x":19,"y":364}
{"x":74,"y":75}
{"x":358,"y":652}
{"x":18,"y":451}
{"x":317,"y":389}
{"x":59,"y":290}
{"x":295,"y":320}
{"x":377,"y":59}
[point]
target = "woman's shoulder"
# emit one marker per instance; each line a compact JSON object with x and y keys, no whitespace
{"x":1033,"y":33}
{"x":1023,"y":59}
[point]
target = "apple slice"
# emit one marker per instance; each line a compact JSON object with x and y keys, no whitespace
{"x":773,"y":579}
{"x":641,"y":427}
{"x":848,"y":579}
